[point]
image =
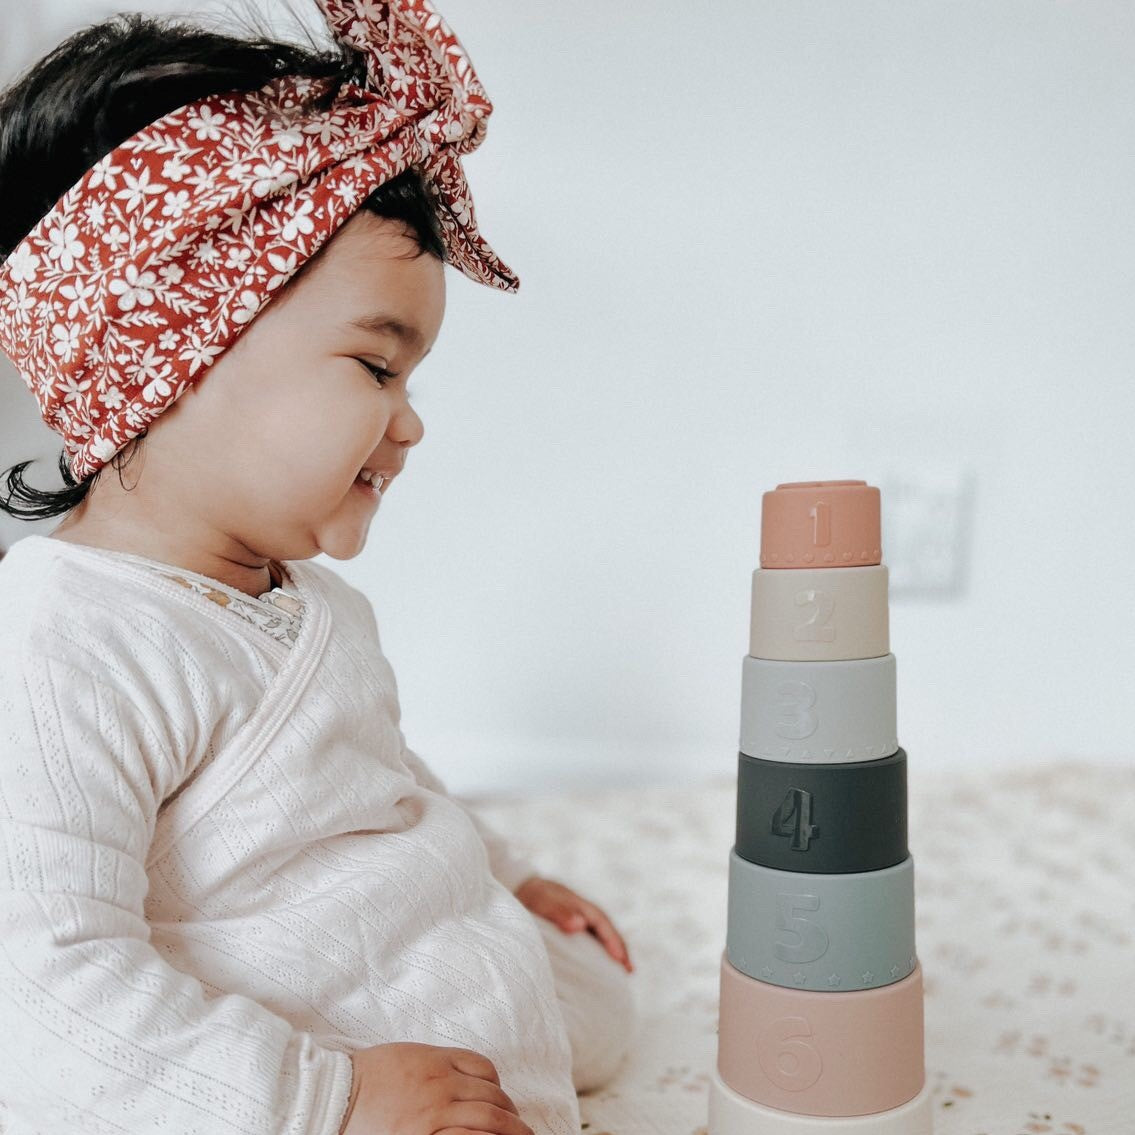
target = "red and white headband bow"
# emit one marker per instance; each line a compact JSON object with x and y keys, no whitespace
{"x":149,"y":267}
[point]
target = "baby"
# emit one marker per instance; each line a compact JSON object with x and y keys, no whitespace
{"x":234,"y":900}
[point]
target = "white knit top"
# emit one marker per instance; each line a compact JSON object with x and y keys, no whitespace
{"x":223,"y":869}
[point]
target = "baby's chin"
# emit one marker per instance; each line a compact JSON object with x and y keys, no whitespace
{"x":333,"y":527}
{"x":343,"y":539}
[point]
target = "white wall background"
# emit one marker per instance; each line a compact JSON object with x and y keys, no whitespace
{"x":778,"y":241}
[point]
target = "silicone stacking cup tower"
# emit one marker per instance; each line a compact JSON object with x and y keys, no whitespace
{"x":820,"y":1024}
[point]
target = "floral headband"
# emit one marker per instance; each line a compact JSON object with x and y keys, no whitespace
{"x":148,"y":268}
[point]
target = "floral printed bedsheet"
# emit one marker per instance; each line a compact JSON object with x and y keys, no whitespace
{"x":1025,"y":930}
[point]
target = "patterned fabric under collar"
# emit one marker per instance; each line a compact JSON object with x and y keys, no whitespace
{"x":277,"y":612}
{"x":150,"y":266}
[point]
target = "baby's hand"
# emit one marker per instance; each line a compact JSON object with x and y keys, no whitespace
{"x":570,"y":912}
{"x":416,"y":1089}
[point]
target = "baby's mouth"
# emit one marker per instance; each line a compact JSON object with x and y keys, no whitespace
{"x":375,"y":486}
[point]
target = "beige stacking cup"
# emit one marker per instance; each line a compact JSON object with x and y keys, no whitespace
{"x":818,"y":615}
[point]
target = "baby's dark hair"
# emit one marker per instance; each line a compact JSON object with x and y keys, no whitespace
{"x":106,"y":82}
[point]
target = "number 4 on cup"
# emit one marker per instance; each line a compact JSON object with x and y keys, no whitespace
{"x":794,"y":818}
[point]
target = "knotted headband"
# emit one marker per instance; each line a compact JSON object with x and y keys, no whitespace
{"x":149,"y":267}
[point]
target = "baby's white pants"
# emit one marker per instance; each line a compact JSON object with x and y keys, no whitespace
{"x":597,"y":1002}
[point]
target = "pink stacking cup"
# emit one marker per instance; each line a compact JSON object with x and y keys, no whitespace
{"x":818,"y":524}
{"x":820,"y":1052}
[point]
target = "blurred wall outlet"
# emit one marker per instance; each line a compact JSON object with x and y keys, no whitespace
{"x":927,"y":527}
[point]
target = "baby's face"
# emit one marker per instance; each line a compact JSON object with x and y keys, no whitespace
{"x":267,"y":447}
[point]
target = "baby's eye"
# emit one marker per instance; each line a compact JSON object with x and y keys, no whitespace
{"x":381,"y":374}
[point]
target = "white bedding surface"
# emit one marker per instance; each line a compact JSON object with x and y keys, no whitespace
{"x":1025,"y":927}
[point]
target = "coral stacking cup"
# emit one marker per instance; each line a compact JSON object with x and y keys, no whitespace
{"x":821,"y":1023}
{"x":821,"y":524}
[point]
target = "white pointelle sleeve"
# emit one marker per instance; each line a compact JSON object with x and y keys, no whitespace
{"x":506,"y":864}
{"x":98,"y":1033}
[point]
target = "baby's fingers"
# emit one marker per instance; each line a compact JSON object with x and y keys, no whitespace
{"x":476,"y":1116}
{"x":611,"y":939}
{"x":474,"y":1089}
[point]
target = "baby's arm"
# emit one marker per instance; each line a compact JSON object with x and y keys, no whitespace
{"x":99,"y":1032}
{"x":507,"y":866}
{"x":546,"y":897}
